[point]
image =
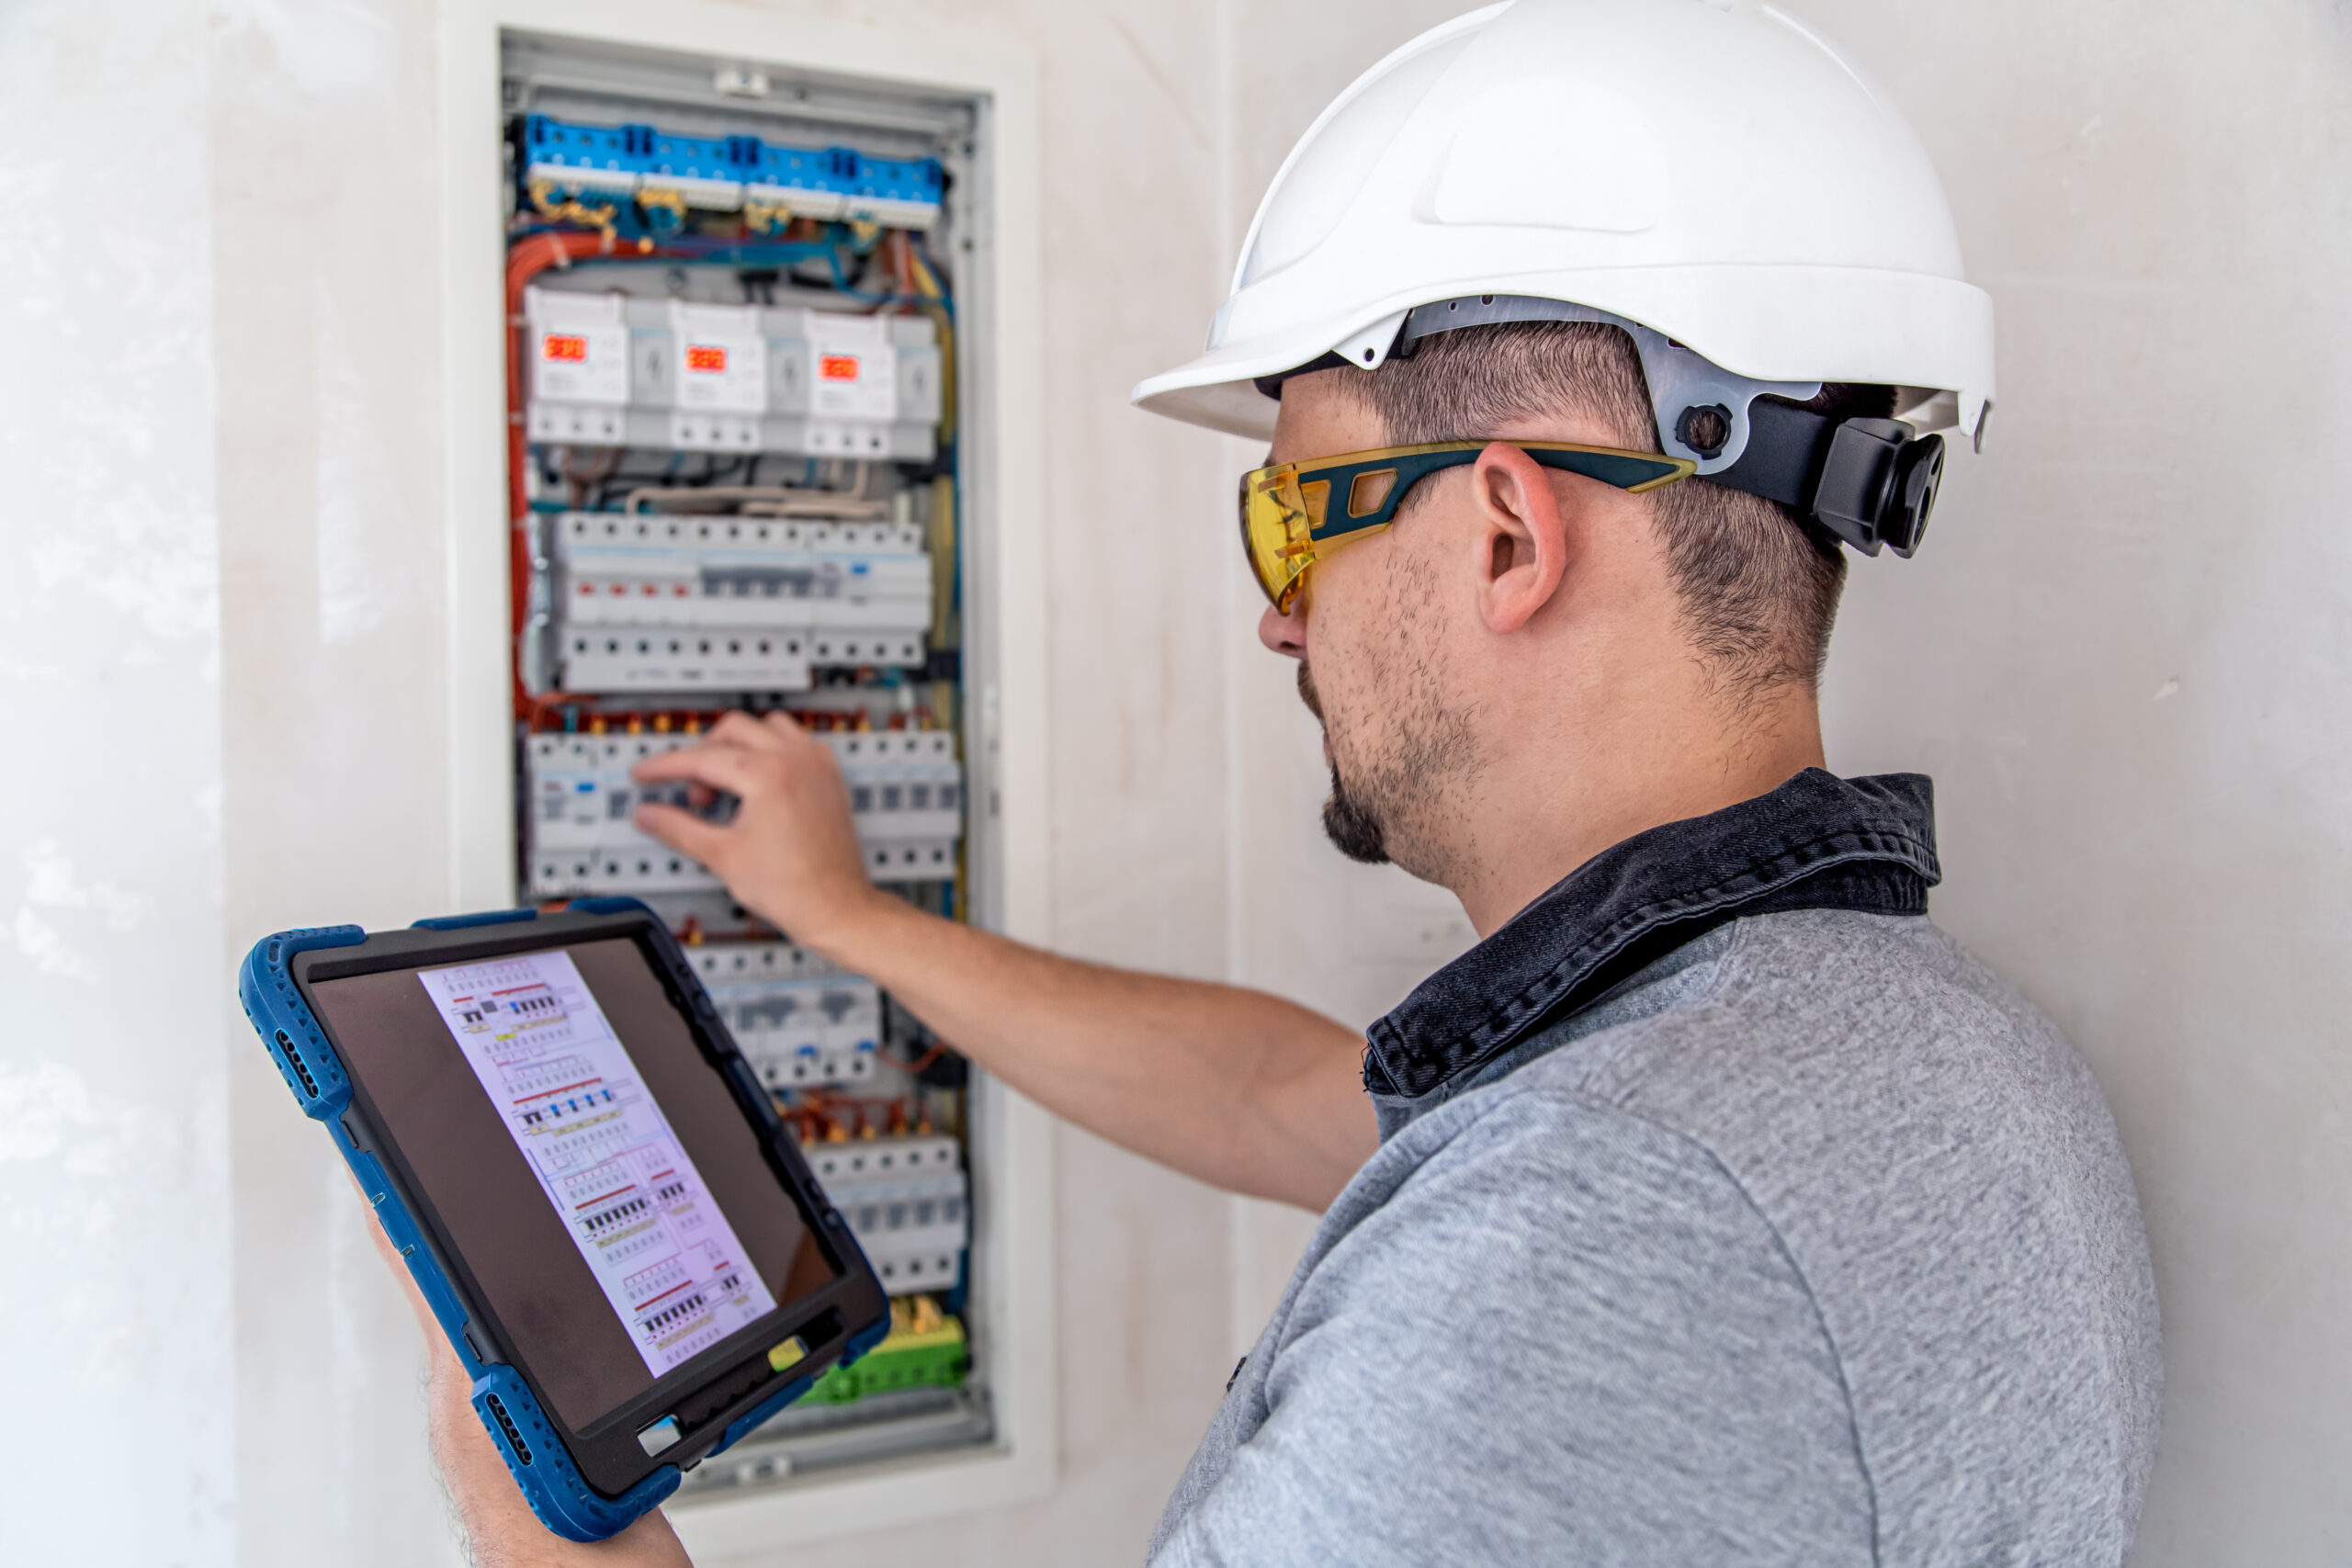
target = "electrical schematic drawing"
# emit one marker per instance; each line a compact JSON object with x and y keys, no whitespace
{"x":737,"y":461}
{"x":639,"y":1211}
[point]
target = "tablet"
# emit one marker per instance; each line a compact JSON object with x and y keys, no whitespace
{"x":629,"y":1255}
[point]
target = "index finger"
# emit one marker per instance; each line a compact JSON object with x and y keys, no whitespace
{"x":730,"y":768}
{"x":737,"y":727}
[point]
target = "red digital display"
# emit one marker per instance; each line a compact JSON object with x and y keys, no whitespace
{"x":568,"y":347}
{"x":706,"y":357}
{"x":837,"y":367}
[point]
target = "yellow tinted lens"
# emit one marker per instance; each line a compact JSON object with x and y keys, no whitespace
{"x":1274,"y":531}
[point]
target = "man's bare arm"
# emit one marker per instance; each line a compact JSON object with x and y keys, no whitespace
{"x":1234,"y":1086}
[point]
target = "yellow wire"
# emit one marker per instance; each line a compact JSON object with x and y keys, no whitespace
{"x":927,"y":285}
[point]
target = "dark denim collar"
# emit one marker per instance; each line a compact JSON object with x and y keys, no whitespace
{"x":1816,"y":842}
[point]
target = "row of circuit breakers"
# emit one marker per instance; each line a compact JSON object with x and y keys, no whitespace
{"x":653,"y":601}
{"x":619,"y":370}
{"x":906,"y":792}
{"x":804,"y":1024}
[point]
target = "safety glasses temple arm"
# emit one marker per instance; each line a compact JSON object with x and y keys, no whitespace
{"x":1633,"y":471}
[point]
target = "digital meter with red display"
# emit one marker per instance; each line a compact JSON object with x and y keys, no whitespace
{"x":707,"y":358}
{"x":568,"y":348}
{"x":837,"y":367}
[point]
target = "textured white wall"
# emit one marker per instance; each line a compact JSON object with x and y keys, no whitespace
{"x":2123,"y":655}
{"x":333,"y":609}
{"x":114,"y":1219}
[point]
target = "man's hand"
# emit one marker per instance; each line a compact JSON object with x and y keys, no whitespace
{"x":499,"y":1525}
{"x":791,"y":854}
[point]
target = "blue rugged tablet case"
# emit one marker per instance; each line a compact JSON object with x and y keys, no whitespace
{"x":535,"y":1455}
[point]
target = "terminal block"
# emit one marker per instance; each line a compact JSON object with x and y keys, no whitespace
{"x":906,"y":1202}
{"x":769,"y":182}
{"x":651,"y":602}
{"x":613,"y":370}
{"x":925,"y":1348}
{"x":906,"y":789}
{"x":800,"y":1021}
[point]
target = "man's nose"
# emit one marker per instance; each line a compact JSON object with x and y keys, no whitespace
{"x":1285,"y":635}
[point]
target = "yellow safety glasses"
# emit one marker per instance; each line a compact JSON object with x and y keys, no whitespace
{"x":1288,"y":521}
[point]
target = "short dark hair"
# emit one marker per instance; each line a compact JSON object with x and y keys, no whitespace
{"x":1759,"y":586}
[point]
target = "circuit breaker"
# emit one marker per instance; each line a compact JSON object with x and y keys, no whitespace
{"x":740,"y":384}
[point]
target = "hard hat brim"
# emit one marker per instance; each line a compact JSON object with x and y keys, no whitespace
{"x":1770,"y":323}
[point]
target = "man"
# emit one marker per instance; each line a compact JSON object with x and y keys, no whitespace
{"x":1714,"y":1208}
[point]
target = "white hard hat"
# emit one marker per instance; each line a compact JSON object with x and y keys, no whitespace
{"x":1710,"y":174}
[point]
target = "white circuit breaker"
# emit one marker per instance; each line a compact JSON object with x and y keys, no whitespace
{"x":905,"y":1200}
{"x":647,"y":602}
{"x":906,"y":792}
{"x":801,"y":1022}
{"x":618,"y":370}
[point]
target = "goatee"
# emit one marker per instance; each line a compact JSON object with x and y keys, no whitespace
{"x":1354,"y":831}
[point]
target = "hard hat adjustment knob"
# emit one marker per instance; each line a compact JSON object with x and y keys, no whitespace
{"x":1703,"y":430}
{"x":1919,"y":469}
{"x":1858,"y":479}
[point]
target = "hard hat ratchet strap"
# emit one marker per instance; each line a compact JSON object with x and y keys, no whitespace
{"x":1868,"y":482}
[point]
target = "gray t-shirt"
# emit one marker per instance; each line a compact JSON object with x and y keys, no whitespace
{"x":1813,"y":1245}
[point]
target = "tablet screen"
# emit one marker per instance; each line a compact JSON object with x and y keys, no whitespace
{"x":589,"y":1163}
{"x":606,"y":1159}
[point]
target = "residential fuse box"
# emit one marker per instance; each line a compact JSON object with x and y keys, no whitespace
{"x":742,"y":383}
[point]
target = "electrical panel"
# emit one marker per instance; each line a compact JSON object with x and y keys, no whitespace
{"x":738,"y":481}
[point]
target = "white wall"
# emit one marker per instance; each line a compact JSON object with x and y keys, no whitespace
{"x":115,"y":1213}
{"x":2123,"y":655}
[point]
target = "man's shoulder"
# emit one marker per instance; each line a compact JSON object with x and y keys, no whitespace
{"x":1834,"y":1059}
{"x":1828,"y":984}
{"x":1805,"y":1035}
{"x":1941,"y":1170}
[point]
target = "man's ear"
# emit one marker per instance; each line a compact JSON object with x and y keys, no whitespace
{"x":1522,"y":541}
